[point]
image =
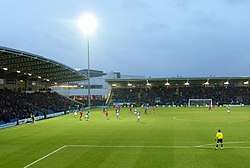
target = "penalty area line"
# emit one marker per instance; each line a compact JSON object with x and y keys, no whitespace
{"x":38,"y":160}
{"x":133,"y":146}
{"x":230,"y":142}
{"x":205,"y":146}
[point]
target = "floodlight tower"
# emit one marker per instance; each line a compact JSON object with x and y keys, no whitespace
{"x":87,"y":23}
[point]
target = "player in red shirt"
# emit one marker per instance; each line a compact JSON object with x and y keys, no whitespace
{"x":81,"y":115}
{"x":106,"y":113}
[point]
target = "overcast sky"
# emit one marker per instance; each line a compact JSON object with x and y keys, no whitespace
{"x":136,"y":37}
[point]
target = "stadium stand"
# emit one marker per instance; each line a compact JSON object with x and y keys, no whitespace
{"x":96,"y":100}
{"x":177,"y":94}
{"x":25,"y":81}
{"x":18,"y":105}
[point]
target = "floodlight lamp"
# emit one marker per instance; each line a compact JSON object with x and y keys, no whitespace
{"x":87,"y":23}
{"x":187,"y":83}
{"x":114,"y":85}
{"x":206,"y":83}
{"x":246,"y":83}
{"x":130,"y":84}
{"x":167,"y":84}
{"x":148,"y":84}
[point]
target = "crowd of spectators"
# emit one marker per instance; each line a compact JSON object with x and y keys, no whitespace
{"x":181,"y":95}
{"x":20,"y":105}
{"x":95,"y":100}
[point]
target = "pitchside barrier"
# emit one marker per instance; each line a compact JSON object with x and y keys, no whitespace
{"x":233,"y":105}
{"x":29,"y":120}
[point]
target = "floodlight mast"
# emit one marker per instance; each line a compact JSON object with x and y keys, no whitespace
{"x":88,"y":24}
{"x":89,"y":94}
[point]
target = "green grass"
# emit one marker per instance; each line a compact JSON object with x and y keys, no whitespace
{"x":20,"y":146}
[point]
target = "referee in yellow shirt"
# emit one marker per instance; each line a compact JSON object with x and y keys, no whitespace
{"x":219,"y":139}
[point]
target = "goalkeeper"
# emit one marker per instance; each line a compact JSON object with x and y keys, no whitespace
{"x":219,"y":139}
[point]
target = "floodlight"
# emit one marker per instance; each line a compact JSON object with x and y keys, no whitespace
{"x":167,"y":84}
{"x":114,"y":85}
{"x":206,"y":83}
{"x":187,"y":83}
{"x":87,"y":23}
{"x":246,"y":83}
{"x":130,"y":84}
{"x":148,"y":84}
{"x":18,"y":71}
{"x":6,"y":69}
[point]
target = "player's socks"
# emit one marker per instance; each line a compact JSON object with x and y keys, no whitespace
{"x":217,"y":145}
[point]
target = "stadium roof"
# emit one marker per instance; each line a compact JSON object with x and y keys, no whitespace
{"x":180,"y":81}
{"x":93,"y":73}
{"x":36,"y":67}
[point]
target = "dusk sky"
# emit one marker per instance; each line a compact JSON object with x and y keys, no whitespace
{"x":136,"y":37}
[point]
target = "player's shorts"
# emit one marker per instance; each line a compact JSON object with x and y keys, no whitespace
{"x":219,"y":140}
{"x":138,"y":117}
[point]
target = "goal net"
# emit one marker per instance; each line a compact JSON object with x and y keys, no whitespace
{"x":200,"y":102}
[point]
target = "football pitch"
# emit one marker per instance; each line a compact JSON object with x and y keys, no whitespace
{"x":165,"y":137}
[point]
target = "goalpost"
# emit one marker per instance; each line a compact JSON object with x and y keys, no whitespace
{"x":200,"y":102}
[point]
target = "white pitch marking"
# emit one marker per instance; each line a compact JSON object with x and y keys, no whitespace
{"x":129,"y":146}
{"x":233,"y":142}
{"x":206,"y":146}
{"x":38,"y":160}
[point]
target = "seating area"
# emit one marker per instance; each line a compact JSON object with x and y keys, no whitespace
{"x":96,"y":100}
{"x":20,"y":105}
{"x":181,"y":95}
